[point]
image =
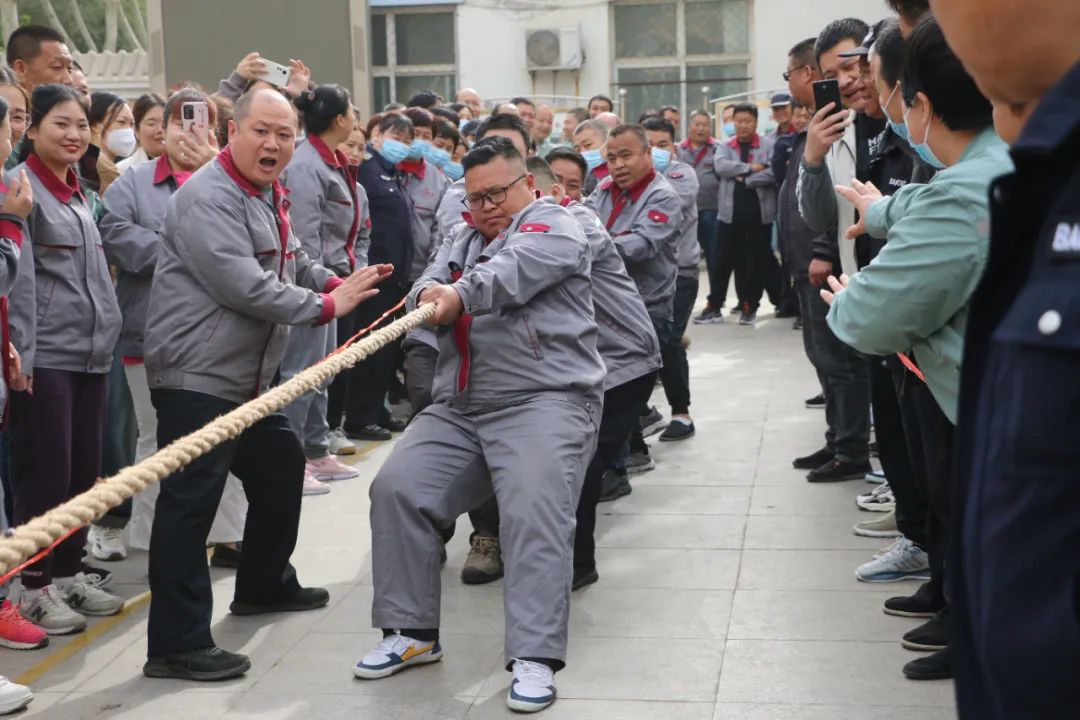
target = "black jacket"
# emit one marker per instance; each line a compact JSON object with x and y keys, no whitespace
{"x":795,"y":236}
{"x":891,"y":167}
{"x":391,"y":216}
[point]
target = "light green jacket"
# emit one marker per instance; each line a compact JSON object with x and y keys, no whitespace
{"x":915,"y":293}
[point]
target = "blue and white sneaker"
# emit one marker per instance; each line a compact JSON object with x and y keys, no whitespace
{"x":393,"y":654}
{"x":876,"y":476}
{"x":533,"y":687}
{"x":903,"y":561}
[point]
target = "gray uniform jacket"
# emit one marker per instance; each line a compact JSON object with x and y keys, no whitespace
{"x":324,"y":208}
{"x":451,"y":211}
{"x":528,"y":328}
{"x":426,"y":185}
{"x":684,"y":181}
{"x":64,"y":314}
{"x":11,"y":240}
{"x":626,"y":341}
{"x":703,"y":161}
{"x":135,"y":208}
{"x":729,"y":165}
{"x":644,"y":222}
{"x":231,"y":278}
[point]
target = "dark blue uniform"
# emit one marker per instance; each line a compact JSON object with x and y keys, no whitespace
{"x":1017,"y":579}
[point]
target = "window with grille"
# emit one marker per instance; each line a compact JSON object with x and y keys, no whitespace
{"x":412,"y":50}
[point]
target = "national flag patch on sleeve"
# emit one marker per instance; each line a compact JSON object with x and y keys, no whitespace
{"x":657,"y":217}
{"x":535,"y":228}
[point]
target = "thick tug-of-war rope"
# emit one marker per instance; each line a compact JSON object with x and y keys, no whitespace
{"x":25,"y":540}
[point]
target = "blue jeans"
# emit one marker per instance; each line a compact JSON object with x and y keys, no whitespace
{"x":709,"y":240}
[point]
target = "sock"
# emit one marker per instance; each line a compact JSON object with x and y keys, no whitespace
{"x":555,"y":665}
{"x":684,"y":421}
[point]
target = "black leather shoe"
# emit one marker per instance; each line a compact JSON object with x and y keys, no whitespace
{"x":583,"y":577}
{"x":931,"y":636}
{"x":204,"y":665}
{"x":303,"y":599}
{"x":395,"y":425}
{"x":838,"y":471}
{"x":369,"y":432}
{"x":922,"y":604}
{"x":814,"y":460}
{"x":932,"y":667}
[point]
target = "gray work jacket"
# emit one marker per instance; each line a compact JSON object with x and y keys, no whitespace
{"x":687,"y":249}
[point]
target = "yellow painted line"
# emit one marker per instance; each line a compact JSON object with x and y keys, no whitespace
{"x":83,"y":640}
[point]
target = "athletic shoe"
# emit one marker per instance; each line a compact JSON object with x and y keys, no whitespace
{"x":302,"y":600}
{"x":839,"y":471}
{"x":920,"y":604}
{"x":393,"y":654}
{"x":937,"y":666}
{"x":880,"y":499}
{"x":931,"y":636}
{"x":18,"y":633}
{"x":876,"y":476}
{"x":86,"y":597}
{"x":312,"y":486}
{"x":205,"y":665}
{"x":813,"y":460}
{"x":533,"y":687}
{"x":904,"y":561}
{"x":710,"y":316}
{"x":13,"y":697}
{"x":639,"y":462}
{"x":484,"y":562}
{"x":330,"y":468}
{"x":369,"y":432}
{"x":583,"y":577}
{"x":748,"y":319}
{"x":613,"y":486}
{"x":881,"y":527}
{"x":106,"y":543}
{"x":652,"y":423}
{"x":99,"y":576}
{"x":678,"y":429}
{"x":817,"y":402}
{"x":393,"y":424}
{"x":339,"y":444}
{"x":48,"y":609}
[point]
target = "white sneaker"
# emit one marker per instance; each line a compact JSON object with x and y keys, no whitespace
{"x":339,"y":444}
{"x":86,"y":597}
{"x":880,"y":499}
{"x":393,"y":654}
{"x":48,"y":609}
{"x":313,"y":486}
{"x":106,"y":543}
{"x":330,"y":468}
{"x":13,"y":697}
{"x":903,"y":561}
{"x":533,"y":687}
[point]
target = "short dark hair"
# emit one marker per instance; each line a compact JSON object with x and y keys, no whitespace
{"x":580,"y":114}
{"x":911,"y":10}
{"x":650,"y":113}
{"x":931,"y":67}
{"x":396,"y":122}
{"x":659,"y":124}
{"x":837,"y":32}
{"x":522,"y":101}
{"x":605,"y":98}
{"x":420,"y":117}
{"x":447,"y":130}
{"x":542,"y":172}
{"x":457,"y":107}
{"x":486,"y":150}
{"x":143,"y":105}
{"x":746,"y":108}
{"x":890,"y":47}
{"x":321,"y":106}
{"x":635,"y":130}
{"x":503,"y":122}
{"x":25,"y":43}
{"x":426,"y":99}
{"x":104,"y":107}
{"x":571,"y":155}
{"x":393,"y":107}
{"x":803,"y":52}
{"x":448,"y":114}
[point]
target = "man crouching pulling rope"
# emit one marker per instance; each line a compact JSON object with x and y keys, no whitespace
{"x":517,"y":401}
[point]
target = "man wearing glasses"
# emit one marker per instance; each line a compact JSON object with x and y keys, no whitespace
{"x":517,"y":402}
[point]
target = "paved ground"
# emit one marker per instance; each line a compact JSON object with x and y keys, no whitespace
{"x":727,"y":593}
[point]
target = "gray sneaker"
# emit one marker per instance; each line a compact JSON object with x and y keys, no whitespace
{"x":882,"y":527}
{"x":87,"y":598}
{"x":338,"y":444}
{"x":639,"y":462}
{"x":903,"y":561}
{"x":48,"y":609}
{"x":484,"y":562}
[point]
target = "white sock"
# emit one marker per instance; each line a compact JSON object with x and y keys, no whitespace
{"x":684,"y":421}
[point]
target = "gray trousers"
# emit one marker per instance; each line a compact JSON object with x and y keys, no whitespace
{"x":533,"y":457}
{"x":307,"y":414}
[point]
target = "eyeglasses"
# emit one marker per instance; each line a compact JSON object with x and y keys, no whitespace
{"x":792,"y":71}
{"x":475,"y":201}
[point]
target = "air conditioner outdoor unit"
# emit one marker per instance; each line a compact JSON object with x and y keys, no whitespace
{"x":555,"y":49}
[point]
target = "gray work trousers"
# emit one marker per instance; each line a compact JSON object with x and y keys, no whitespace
{"x":307,"y":414}
{"x":532,"y":456}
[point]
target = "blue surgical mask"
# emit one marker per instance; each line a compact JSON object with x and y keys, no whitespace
{"x":729,"y":129}
{"x":419,"y":149}
{"x":438,"y":157}
{"x":394,"y":151}
{"x":899,"y":128}
{"x":923,"y":149}
{"x":593,"y":159}
{"x":661,"y":159}
{"x":454,"y":171}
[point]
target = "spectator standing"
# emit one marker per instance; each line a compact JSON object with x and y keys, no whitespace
{"x":149,"y":115}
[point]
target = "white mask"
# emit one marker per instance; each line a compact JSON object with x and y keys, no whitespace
{"x":121,"y":142}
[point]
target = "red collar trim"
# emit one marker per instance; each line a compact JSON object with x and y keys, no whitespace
{"x":413,"y":167}
{"x":688,"y":145}
{"x":754,"y":143}
{"x":163,"y":171}
{"x":565,"y":202}
{"x":62,"y":191}
{"x":226,"y":159}
{"x":3,"y":186}
{"x":636,"y":190}
{"x":601,"y":170}
{"x":333,"y":158}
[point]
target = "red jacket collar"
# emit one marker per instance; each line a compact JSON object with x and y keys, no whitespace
{"x":225,"y":157}
{"x":601,"y":171}
{"x":755,"y":143}
{"x":413,"y":167}
{"x":333,"y":158}
{"x":565,"y":202}
{"x":636,"y":190}
{"x":687,"y":145}
{"x":163,"y":171}
{"x":62,"y":191}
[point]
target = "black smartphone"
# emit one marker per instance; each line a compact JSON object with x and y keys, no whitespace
{"x":827,"y":91}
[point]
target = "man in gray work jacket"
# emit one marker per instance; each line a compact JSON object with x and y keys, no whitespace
{"x":518,"y":398}
{"x":231,"y":277}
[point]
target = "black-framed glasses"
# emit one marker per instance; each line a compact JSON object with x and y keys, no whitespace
{"x":475,"y":201}
{"x":789,"y":73}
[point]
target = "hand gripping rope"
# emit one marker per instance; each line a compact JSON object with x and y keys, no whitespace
{"x":64,"y":520}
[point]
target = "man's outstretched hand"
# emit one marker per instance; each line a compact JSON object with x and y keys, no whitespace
{"x":358,"y":287}
{"x":448,"y":305}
